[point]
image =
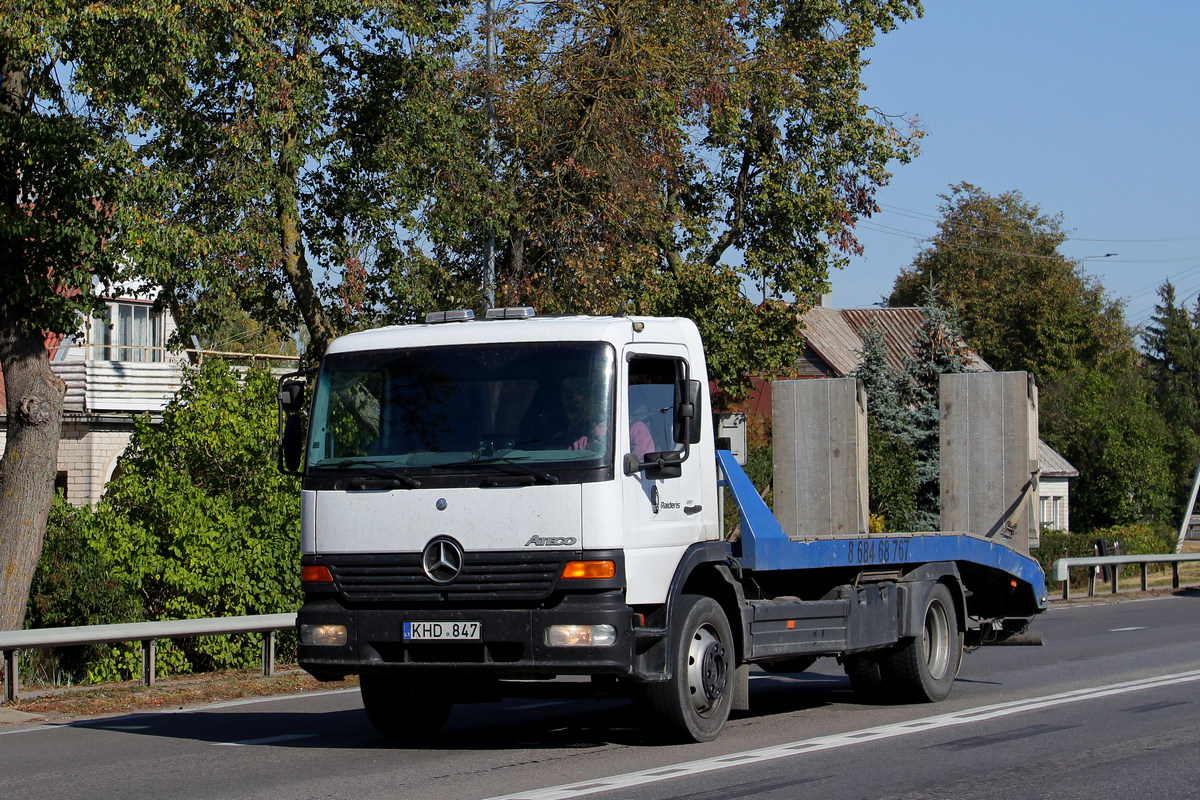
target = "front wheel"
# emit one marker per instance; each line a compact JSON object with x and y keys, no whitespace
{"x":696,"y":701}
{"x":403,"y":713}
{"x":922,"y":669}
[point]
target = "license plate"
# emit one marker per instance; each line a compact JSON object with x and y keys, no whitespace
{"x":442,"y":631}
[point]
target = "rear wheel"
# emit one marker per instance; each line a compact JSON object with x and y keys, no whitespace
{"x":866,"y":676}
{"x":922,"y":669}
{"x":405,"y":714}
{"x":695,"y":702}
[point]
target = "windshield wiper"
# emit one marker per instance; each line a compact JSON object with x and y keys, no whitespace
{"x":500,"y":462}
{"x":376,"y":468}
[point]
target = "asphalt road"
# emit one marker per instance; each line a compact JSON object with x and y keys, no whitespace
{"x":1108,"y":706}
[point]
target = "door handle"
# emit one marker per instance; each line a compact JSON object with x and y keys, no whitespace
{"x":692,"y":509}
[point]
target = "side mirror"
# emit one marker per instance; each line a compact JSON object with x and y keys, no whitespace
{"x":687,"y":412}
{"x":291,"y":445}
{"x":291,"y":397}
{"x":667,"y":464}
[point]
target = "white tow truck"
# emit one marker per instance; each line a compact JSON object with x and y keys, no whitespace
{"x":488,"y":504}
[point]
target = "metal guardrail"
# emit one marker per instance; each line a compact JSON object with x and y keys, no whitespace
{"x":1061,"y":568}
{"x":12,"y":642}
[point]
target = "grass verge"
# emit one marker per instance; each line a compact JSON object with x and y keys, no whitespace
{"x":58,"y":704}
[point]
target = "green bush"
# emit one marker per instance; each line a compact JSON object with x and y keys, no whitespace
{"x":73,"y":585}
{"x":1063,"y":544}
{"x":199,"y":522}
{"x":196,"y":523}
{"x":1138,"y":538}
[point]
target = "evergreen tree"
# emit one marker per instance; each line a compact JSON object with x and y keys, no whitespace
{"x":891,"y":460}
{"x":940,"y":349}
{"x":1172,"y":363}
{"x":1172,"y":342}
{"x":879,"y":380}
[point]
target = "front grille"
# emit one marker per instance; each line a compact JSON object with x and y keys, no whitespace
{"x":484,"y":577}
{"x":450,"y":653}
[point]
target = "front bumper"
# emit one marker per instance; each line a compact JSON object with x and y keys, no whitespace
{"x":512,"y":643}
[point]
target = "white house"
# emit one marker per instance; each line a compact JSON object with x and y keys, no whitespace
{"x":117,"y":368}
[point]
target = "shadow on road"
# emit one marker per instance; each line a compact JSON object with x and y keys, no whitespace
{"x":518,"y":723}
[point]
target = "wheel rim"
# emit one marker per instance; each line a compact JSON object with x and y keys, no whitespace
{"x":706,"y":670}
{"x":936,"y":640}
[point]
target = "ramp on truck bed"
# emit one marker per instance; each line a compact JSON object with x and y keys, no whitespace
{"x":764,"y":546}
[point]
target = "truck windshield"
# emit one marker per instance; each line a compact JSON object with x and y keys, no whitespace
{"x":467,"y":409}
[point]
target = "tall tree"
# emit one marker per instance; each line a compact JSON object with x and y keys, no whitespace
{"x":1022,"y":304}
{"x":296,"y":150}
{"x":67,"y":175}
{"x":1107,"y":423}
{"x":1172,"y":345}
{"x":1172,"y":362}
{"x":1025,"y":306}
{"x":650,"y":156}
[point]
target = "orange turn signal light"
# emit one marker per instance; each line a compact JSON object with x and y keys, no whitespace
{"x":589,"y":569}
{"x":315,"y":574}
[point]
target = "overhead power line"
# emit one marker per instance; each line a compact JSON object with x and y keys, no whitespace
{"x":910,"y":213}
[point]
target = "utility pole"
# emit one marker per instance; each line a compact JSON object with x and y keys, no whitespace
{"x":489,"y":267}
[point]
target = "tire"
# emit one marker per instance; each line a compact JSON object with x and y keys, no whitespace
{"x":405,"y":715}
{"x":923,"y":668}
{"x":867,"y":677}
{"x":695,"y":703}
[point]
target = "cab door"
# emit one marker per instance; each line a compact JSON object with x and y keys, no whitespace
{"x":661,"y":505}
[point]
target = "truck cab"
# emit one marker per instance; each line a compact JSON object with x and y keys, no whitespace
{"x":501,"y":496}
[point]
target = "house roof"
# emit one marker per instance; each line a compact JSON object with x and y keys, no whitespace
{"x":834,"y":336}
{"x":1052,"y":463}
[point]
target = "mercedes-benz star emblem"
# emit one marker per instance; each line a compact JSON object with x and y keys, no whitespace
{"x":442,"y":560}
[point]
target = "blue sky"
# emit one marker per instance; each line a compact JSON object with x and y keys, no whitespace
{"x":1086,"y":108}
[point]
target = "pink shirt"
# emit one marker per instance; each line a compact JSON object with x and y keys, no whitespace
{"x":640,"y":440}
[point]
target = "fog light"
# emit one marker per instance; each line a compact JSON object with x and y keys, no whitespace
{"x":581,"y":635}
{"x":327,"y":635}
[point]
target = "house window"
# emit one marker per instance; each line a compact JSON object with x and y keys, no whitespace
{"x":1052,"y":512}
{"x":127,"y":332}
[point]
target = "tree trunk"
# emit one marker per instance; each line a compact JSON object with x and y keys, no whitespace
{"x":295,"y":268}
{"x":34,"y":405}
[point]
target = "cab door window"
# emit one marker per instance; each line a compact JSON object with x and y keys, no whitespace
{"x":652,"y":397}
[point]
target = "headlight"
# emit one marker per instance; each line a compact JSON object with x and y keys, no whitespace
{"x":581,"y":635}
{"x":327,"y":635}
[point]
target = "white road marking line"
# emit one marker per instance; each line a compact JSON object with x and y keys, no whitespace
{"x":1132,"y":628}
{"x":964,"y":717}
{"x":287,"y":737}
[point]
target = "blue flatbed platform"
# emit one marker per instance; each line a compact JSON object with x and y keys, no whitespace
{"x":765,"y":546}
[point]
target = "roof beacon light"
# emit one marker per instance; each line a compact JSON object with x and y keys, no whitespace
{"x":457,"y":315}
{"x":512,"y":312}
